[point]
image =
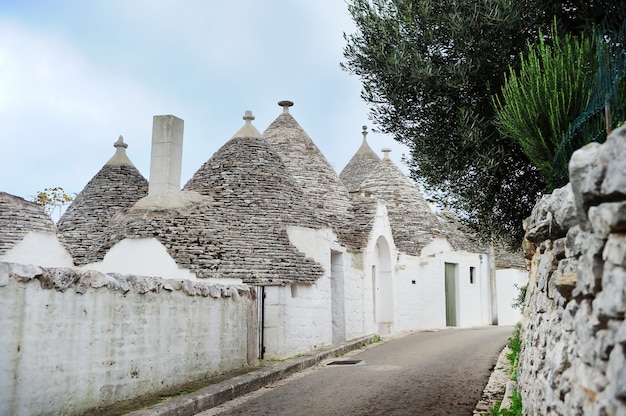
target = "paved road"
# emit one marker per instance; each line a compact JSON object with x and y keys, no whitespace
{"x":424,"y":373}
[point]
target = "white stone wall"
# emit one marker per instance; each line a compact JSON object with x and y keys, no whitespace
{"x":298,"y":316}
{"x":294,"y":325}
{"x":506,"y":279}
{"x":144,"y":257}
{"x":358,"y":297}
{"x":573,"y":360}
{"x":74,"y":340}
{"x":423,"y":305}
{"x":381,"y":231}
{"x":420,"y":305}
{"x":39,"y":248}
{"x":297,"y":319}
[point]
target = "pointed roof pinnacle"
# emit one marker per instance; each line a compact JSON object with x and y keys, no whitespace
{"x":248,"y":117}
{"x":248,"y":130}
{"x":285,"y":104}
{"x":360,"y":166}
{"x":120,"y":143}
{"x":120,"y":158}
{"x":386,"y":152}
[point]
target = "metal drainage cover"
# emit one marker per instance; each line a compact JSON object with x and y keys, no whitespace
{"x":345,"y":362}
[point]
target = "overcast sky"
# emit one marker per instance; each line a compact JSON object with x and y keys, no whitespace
{"x":76,"y":74}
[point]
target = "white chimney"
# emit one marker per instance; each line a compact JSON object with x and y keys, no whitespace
{"x":167,"y":154}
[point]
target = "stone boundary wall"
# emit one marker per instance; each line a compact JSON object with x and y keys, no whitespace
{"x":573,"y":360}
{"x":73,"y":340}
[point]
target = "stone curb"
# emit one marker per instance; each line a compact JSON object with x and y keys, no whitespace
{"x":496,"y":386}
{"x":508,"y":393}
{"x":227,"y":390}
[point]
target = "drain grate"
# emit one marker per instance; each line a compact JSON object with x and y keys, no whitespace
{"x":345,"y":362}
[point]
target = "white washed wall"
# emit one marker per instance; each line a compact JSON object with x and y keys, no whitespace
{"x":40,"y":249}
{"x":423,"y":305}
{"x":64,"y":352}
{"x":417,"y":305}
{"x":144,"y":257}
{"x":380,"y":228}
{"x":470,"y":294}
{"x":506,"y":279}
{"x":358,"y":295}
{"x":418,"y":286}
{"x":298,"y":317}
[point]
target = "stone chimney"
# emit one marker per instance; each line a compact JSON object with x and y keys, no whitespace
{"x":386,"y":152}
{"x":167,"y":154}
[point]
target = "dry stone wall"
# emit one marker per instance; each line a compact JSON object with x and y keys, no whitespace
{"x":574,"y":335}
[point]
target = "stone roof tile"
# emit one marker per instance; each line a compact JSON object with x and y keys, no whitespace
{"x":363,"y":211}
{"x":459,"y":235}
{"x":84,"y":225}
{"x":360,"y":166}
{"x":312,"y":172}
{"x":251,"y":199}
{"x":18,"y":217}
{"x":252,"y":188}
{"x":413,"y":222}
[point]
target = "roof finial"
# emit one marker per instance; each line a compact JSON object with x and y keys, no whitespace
{"x":120,"y":143}
{"x":386,"y":152}
{"x":120,"y":158}
{"x":364,"y":134}
{"x":248,"y":117}
{"x":285,"y":104}
{"x":248,"y":130}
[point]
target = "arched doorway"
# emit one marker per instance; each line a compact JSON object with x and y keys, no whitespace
{"x":382,"y":286}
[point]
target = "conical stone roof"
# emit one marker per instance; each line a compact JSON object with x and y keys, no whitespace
{"x":311,"y":171}
{"x":236,"y":227}
{"x":360,"y":166}
{"x":413,"y":222}
{"x":257,"y":200}
{"x":458,"y":234}
{"x":18,"y":217}
{"x":254,"y":199}
{"x":85,"y":224}
{"x":363,"y":210}
{"x":247,"y":175}
{"x":463,"y":239}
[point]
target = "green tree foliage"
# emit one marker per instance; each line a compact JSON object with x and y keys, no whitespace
{"x":561,"y":99}
{"x":553,"y":87}
{"x":429,"y":70}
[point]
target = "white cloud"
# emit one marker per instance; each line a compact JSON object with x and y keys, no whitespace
{"x":60,"y":113}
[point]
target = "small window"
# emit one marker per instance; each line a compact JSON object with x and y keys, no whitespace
{"x":472,"y":275}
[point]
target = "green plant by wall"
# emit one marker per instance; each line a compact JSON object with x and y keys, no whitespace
{"x":569,"y":91}
{"x":520,"y":300}
{"x":515,"y":345}
{"x":514,"y":410}
{"x":538,"y":103}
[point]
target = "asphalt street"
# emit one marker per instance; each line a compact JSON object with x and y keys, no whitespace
{"x":423,"y":373}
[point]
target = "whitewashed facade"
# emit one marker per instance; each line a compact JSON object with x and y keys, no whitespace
{"x":321,"y":257}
